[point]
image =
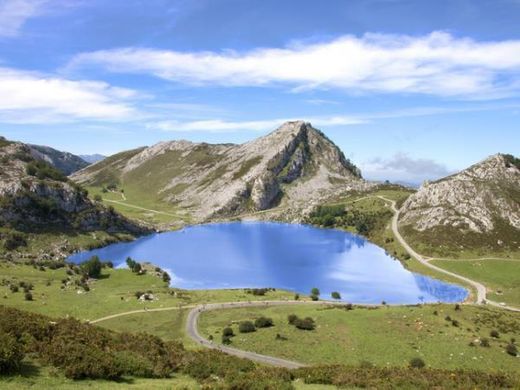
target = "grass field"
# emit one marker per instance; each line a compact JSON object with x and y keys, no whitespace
{"x":388,"y":336}
{"x":133,"y":202}
{"x":501,"y":277}
{"x":113,"y":293}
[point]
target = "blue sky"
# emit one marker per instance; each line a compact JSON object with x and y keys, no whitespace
{"x":409,"y":90}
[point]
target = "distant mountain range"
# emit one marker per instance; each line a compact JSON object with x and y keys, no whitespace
{"x":66,"y":162}
{"x":92,"y":158}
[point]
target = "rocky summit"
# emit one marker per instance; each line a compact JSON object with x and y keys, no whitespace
{"x":292,"y":167}
{"x":482,"y":199}
{"x":34,"y":195}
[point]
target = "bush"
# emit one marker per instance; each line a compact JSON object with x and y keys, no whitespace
{"x":315,"y":297}
{"x":13,"y":288}
{"x":494,"y":334}
{"x":11,"y":353}
{"x":417,"y":363}
{"x":228,"y":332}
{"x":92,"y":267}
{"x":512,"y":350}
{"x":263,"y":322}
{"x":28,"y":296}
{"x":315,"y":291}
{"x":14,"y":241}
{"x":246,"y":327}
{"x":226,"y":340}
{"x":305,"y":323}
{"x":296,"y":297}
{"x":335,"y":295}
{"x":484,"y":343}
{"x":291,"y":318}
{"x":98,"y":198}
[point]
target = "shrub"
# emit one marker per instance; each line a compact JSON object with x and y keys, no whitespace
{"x":11,"y":353}
{"x":13,"y":288}
{"x":494,"y":334}
{"x":305,"y":323}
{"x":335,"y":295}
{"x":296,"y":297}
{"x":166,"y":278}
{"x":226,"y":340}
{"x":28,"y":296}
{"x":263,"y":322}
{"x":228,"y":332}
{"x":512,"y":350}
{"x":14,"y":241}
{"x":246,"y":327}
{"x":315,"y":297}
{"x":291,"y":318}
{"x":98,"y":198}
{"x":484,"y":343}
{"x":92,"y":267}
{"x":417,"y":363}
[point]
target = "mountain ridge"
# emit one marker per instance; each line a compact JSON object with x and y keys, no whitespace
{"x":294,"y":165}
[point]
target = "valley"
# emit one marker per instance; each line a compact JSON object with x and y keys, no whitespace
{"x":288,"y":186}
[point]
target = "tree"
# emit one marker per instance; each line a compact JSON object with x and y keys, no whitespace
{"x":165,"y":277}
{"x":335,"y":295}
{"x":246,"y":327}
{"x":92,"y":267}
{"x":291,"y":318}
{"x":315,"y":291}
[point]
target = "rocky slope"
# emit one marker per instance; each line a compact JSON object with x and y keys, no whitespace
{"x":293,"y":167}
{"x":34,"y":196}
{"x":66,"y":162}
{"x":92,"y":158}
{"x":480,"y":204}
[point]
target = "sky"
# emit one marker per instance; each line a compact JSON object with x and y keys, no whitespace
{"x":410,"y":90}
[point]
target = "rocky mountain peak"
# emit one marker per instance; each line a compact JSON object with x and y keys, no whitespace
{"x":294,"y":164}
{"x":477,"y":199}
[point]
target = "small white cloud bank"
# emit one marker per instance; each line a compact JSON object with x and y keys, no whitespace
{"x":30,"y":97}
{"x":404,"y":169}
{"x":435,"y":64}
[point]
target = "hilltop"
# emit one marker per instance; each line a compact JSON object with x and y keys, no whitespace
{"x":292,"y":168}
{"x":478,"y":207}
{"x":38,"y":200}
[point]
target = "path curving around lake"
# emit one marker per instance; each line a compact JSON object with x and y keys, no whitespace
{"x":193,"y":332}
{"x":480,"y":288}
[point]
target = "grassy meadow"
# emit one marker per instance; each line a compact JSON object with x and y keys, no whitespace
{"x":441,"y":335}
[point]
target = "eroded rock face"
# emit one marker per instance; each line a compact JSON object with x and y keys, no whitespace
{"x":28,"y":201}
{"x":472,"y":200}
{"x":293,"y":166}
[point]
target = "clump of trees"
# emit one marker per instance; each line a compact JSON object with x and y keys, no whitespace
{"x":133,"y":265}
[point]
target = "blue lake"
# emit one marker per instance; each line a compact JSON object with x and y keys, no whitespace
{"x":284,"y":256}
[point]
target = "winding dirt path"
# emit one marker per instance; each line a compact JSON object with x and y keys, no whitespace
{"x":479,"y":287}
{"x":138,"y":207}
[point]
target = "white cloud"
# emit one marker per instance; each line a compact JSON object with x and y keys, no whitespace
{"x":14,"y":13}
{"x":403,"y":168}
{"x":219,"y":125}
{"x":437,"y":64}
{"x":27,"y":97}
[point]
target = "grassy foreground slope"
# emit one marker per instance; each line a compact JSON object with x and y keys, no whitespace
{"x":388,"y":336}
